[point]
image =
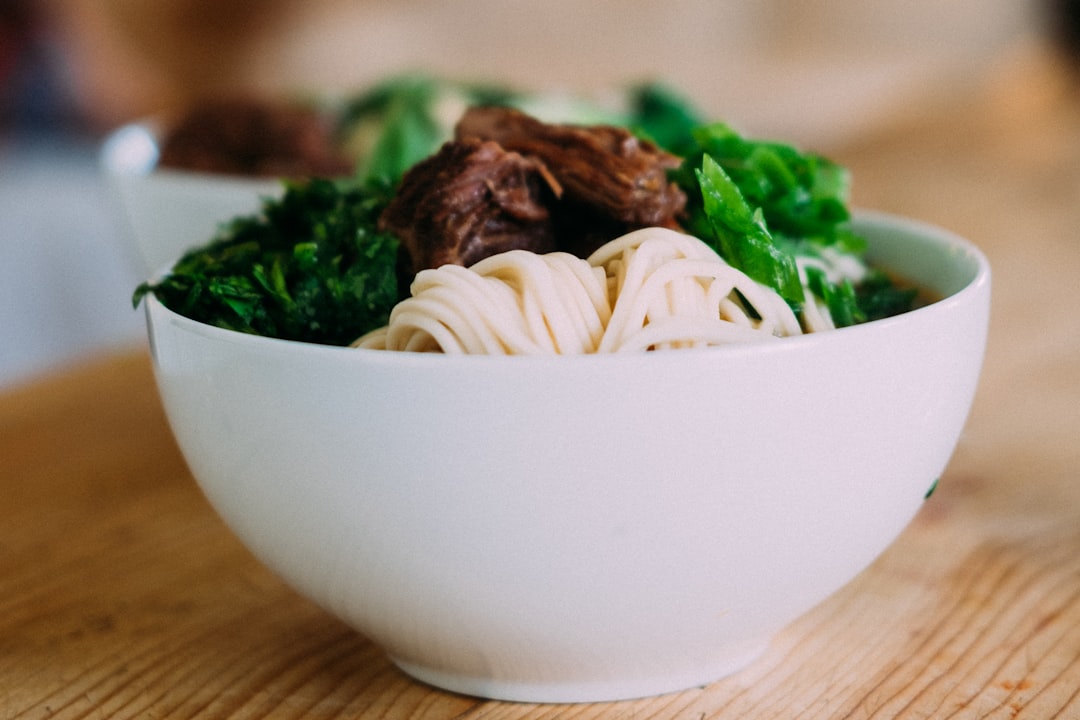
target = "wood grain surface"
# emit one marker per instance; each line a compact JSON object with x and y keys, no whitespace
{"x":122,"y":595}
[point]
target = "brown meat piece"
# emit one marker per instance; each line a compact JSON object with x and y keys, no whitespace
{"x":606,"y":172}
{"x":470,"y":200}
{"x":256,"y":138}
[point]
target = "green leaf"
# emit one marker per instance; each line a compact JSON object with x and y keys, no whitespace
{"x":311,"y":266}
{"x":762,"y":204}
{"x":741,"y":235}
{"x":661,"y":115}
{"x":410,"y":134}
{"x":839,"y":298}
{"x":800,"y":194}
{"x":879,"y":296}
{"x":403,"y":115}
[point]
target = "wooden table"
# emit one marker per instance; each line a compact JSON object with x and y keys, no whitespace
{"x":123,"y":596}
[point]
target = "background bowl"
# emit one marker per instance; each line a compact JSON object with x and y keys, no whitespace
{"x":169,"y":211}
{"x":561,"y":529}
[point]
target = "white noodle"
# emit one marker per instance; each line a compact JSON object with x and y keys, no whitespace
{"x":649,"y":289}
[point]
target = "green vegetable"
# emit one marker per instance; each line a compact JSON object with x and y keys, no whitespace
{"x":405,"y":115}
{"x":841,"y":299}
{"x":403,"y":119}
{"x":742,"y":236}
{"x":802,"y":195}
{"x":879,"y":297}
{"x":763,"y":204}
{"x":658,"y":113}
{"x":401,"y":114}
{"x":312,"y":266}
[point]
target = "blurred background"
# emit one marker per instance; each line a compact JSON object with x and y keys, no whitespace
{"x":823,"y":74}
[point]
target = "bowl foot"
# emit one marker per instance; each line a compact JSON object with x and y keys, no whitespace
{"x":607,"y":688}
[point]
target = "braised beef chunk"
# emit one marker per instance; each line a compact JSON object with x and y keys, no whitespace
{"x":470,"y":200}
{"x":605,"y":171}
{"x":509,"y":181}
{"x":254,"y":137}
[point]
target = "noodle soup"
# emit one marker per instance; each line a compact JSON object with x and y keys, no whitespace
{"x":597,"y":527}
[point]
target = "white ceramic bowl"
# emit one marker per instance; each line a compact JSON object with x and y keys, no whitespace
{"x":561,"y":529}
{"x":169,"y":211}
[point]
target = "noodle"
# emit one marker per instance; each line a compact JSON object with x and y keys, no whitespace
{"x":649,"y":289}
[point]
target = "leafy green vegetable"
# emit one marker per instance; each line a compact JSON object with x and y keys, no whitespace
{"x":840,"y":298}
{"x":879,"y":297}
{"x":763,"y":204}
{"x":658,"y":113}
{"x":405,"y":116}
{"x":802,"y":195}
{"x":743,"y":238}
{"x":402,"y":118}
{"x":401,"y":114}
{"x":312,"y":266}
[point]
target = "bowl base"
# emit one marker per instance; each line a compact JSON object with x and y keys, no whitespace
{"x":604,"y":689}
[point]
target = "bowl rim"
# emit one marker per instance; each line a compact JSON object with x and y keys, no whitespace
{"x":157,"y":311}
{"x":132,"y":150}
